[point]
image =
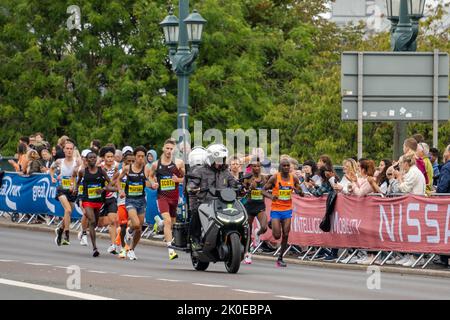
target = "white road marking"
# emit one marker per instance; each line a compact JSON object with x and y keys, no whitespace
{"x":69,"y":293}
{"x":8,"y":260}
{"x":209,"y":285}
{"x":95,"y":271}
{"x":294,"y":298}
{"x":251,"y":291}
{"x":134,"y":276}
{"x":37,"y":264}
{"x":170,"y":280}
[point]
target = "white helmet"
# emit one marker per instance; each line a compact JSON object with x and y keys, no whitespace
{"x":217,"y":153}
{"x":197,"y":157}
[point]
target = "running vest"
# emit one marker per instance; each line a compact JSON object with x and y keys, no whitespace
{"x":283,"y":190}
{"x":123,"y":184}
{"x":110,"y":174}
{"x":256,"y":194}
{"x":66,"y":174}
{"x":135,"y":185}
{"x":167,"y":189}
{"x":92,"y":183}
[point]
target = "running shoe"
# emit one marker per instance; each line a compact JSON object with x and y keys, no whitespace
{"x":123,"y":253}
{"x":95,"y":253}
{"x":58,"y":238}
{"x":65,"y":242}
{"x":112,"y":249}
{"x":281,"y":264}
{"x":84,"y":240}
{"x":131,"y":255}
{"x":248,"y":259}
{"x":172,"y":255}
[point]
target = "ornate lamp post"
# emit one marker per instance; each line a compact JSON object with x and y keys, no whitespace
{"x":178,"y":34}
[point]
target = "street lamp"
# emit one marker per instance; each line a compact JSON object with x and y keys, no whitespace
{"x":178,"y":33}
{"x":404,"y":16}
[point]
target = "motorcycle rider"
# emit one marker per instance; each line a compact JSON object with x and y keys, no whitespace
{"x":214,"y":174}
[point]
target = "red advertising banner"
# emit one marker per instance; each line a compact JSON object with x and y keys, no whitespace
{"x":406,"y":224}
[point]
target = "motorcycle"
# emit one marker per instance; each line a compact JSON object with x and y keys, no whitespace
{"x":225,"y":231}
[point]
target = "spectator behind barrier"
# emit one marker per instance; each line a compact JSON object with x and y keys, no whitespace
{"x":381,"y":177}
{"x":366,"y":183}
{"x":350,"y":168}
{"x":22,"y":160}
{"x":34,"y":163}
{"x":411,"y":179}
{"x":393,"y":182}
{"x":46,"y":160}
{"x":309,"y":173}
{"x":410,"y":145}
{"x":434,"y":158}
{"x":444,"y":179}
{"x":423,"y":150}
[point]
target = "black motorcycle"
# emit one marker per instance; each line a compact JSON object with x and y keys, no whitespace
{"x":224,"y":231}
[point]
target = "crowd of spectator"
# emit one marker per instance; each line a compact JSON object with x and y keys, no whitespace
{"x":418,"y":171}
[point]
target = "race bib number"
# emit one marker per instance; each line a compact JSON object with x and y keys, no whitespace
{"x":123,"y":185}
{"x":93,"y":191}
{"x":285,"y":194}
{"x":135,"y":190}
{"x":66,"y":183}
{"x":256,"y":195}
{"x":167,"y":184}
{"x":80,"y":189}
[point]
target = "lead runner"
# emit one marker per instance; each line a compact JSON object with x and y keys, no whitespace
{"x":282,"y":184}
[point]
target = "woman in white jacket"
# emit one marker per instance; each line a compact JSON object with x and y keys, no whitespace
{"x":411,"y":179}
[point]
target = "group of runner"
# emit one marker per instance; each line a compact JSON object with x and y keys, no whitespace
{"x":113,"y":194}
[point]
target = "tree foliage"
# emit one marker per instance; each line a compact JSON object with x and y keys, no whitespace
{"x":263,"y":64}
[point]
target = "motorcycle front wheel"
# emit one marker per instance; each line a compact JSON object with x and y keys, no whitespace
{"x":234,"y":260}
{"x":197,"y":264}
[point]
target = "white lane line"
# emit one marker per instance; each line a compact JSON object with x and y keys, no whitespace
{"x":95,"y":271}
{"x":63,"y":292}
{"x":251,"y":291}
{"x":209,"y":285}
{"x":294,"y":298}
{"x":134,"y":276}
{"x":37,"y":264}
{"x":169,"y":280}
{"x":8,"y":260}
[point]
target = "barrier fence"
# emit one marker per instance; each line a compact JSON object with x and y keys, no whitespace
{"x":405,"y":223}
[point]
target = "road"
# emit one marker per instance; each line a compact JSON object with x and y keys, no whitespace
{"x":33,"y":267}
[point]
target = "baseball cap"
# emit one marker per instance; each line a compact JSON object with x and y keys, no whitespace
{"x":85,"y":152}
{"x":127,"y":149}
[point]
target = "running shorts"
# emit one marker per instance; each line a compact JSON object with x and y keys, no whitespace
{"x":169,"y":206}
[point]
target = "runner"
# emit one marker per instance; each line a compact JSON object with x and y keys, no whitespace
{"x":169,"y":175}
{"x":255,"y":205}
{"x":108,"y":214}
{"x":128,"y":159}
{"x":135,"y":197}
{"x":82,"y":235}
{"x":94,"y":180}
{"x":282,"y":185}
{"x":66,"y":194}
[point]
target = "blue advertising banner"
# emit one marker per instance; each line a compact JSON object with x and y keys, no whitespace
{"x":36,"y":194}
{"x":33,"y":194}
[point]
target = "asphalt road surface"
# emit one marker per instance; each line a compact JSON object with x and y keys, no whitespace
{"x":33,"y":267}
